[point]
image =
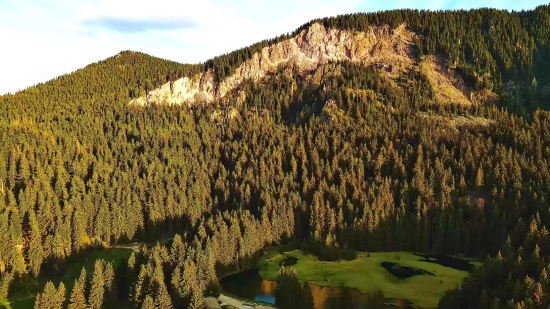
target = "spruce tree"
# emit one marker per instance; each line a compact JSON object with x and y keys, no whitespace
{"x":60,"y":297}
{"x":35,"y":252}
{"x":97,"y":286}
{"x":162,"y":299}
{"x":345,"y":300}
{"x":196,"y":300}
{"x":307,"y":297}
{"x":111,"y":292}
{"x":149,"y":303}
{"x":288,"y":292}
{"x":5,"y":280}
{"x":78,"y":293}
{"x":49,"y":298}
{"x":282,"y":291}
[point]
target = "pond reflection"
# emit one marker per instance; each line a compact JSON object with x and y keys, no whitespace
{"x":250,"y":285}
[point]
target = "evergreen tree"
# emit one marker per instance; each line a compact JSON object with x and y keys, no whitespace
{"x":148,"y":303}
{"x":111,"y":292}
{"x":97,"y":286}
{"x":307,"y":302}
{"x":5,"y":280}
{"x":288,"y":291}
{"x":78,"y":293}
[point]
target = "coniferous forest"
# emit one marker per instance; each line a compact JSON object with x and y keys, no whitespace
{"x":353,"y":163}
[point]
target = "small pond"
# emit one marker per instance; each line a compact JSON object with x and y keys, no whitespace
{"x":447,"y":261}
{"x":403,"y":272}
{"x":289,"y":261}
{"x":250,"y":285}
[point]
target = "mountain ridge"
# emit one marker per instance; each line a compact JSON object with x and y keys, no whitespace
{"x":392,"y":49}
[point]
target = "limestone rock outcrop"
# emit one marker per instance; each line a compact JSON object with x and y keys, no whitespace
{"x":307,"y":50}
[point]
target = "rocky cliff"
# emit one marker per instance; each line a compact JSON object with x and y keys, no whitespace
{"x":312,"y":47}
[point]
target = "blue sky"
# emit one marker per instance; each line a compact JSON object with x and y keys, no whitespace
{"x":44,"y":39}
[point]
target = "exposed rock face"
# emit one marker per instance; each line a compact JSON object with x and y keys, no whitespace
{"x":307,"y":50}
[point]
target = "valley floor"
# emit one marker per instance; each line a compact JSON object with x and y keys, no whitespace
{"x":426,"y":286}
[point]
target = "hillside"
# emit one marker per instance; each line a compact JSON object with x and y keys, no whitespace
{"x":390,"y":49}
{"x":411,"y":131}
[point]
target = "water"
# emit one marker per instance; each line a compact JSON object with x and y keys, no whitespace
{"x":447,"y":261}
{"x":289,"y":261}
{"x":403,"y":272}
{"x":250,"y":285}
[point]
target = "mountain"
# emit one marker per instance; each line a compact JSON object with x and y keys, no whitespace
{"x":391,"y":49}
{"x":466,"y":56}
{"x":404,"y":130}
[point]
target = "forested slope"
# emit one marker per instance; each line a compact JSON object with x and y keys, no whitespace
{"x":347,"y":160}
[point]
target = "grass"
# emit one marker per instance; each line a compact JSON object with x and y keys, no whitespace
{"x":24,"y":297}
{"x":366,"y":274}
{"x":447,"y":88}
{"x":458,"y":121}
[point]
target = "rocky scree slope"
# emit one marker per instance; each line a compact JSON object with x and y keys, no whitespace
{"x":390,"y":49}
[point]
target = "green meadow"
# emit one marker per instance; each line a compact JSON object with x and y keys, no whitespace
{"x":23,"y":297}
{"x":366,"y":274}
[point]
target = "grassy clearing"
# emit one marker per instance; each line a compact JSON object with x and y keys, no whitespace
{"x":366,"y":274}
{"x":455,"y":122}
{"x":24,"y":297}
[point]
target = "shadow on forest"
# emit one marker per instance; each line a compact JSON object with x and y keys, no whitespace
{"x":447,"y":261}
{"x":23,"y":289}
{"x":403,"y":272}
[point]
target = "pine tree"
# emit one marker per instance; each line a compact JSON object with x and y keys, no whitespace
{"x":60,"y":297}
{"x":177,"y":252}
{"x":5,"y":280}
{"x":149,"y":303}
{"x":307,"y":297}
{"x":288,"y":291}
{"x":375,"y":300}
{"x":282,"y":291}
{"x":97,"y":289}
{"x":35,"y":253}
{"x":110,"y":285}
{"x":49,"y":298}
{"x":495,"y":304}
{"x":162,"y":299}
{"x":78,"y":297}
{"x":196,"y":300}
{"x":345,"y":300}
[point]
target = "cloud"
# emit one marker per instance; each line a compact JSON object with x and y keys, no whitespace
{"x":125,"y":25}
{"x":131,"y":16}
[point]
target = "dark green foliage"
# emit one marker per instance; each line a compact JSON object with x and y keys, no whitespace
{"x":384,"y":168}
{"x":492,"y":49}
{"x":307,"y":297}
{"x":376,"y":301}
{"x":288,"y":292}
{"x":340,"y":299}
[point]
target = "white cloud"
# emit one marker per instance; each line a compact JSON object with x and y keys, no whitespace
{"x":42,"y":40}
